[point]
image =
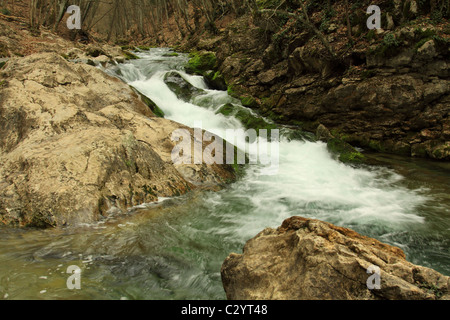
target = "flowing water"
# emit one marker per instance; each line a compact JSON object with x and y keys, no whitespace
{"x":174,"y":249}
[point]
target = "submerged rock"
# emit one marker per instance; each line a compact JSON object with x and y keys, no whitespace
{"x":77,"y":145}
{"x":181,"y":87}
{"x":309,"y":259}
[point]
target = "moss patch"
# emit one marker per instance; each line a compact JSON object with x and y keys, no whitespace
{"x":200,"y":62}
{"x":251,"y":121}
{"x":149,"y":102}
{"x":144,"y":48}
{"x":247,"y":118}
{"x":227,"y":109}
{"x":347,"y":154}
{"x":129,"y":56}
{"x":171,"y":54}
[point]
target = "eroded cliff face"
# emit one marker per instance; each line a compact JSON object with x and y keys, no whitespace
{"x":77,"y":145}
{"x":385,"y":90}
{"x":306,"y":259}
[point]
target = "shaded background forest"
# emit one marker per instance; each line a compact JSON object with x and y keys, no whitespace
{"x":120,"y":21}
{"x":168,"y":22}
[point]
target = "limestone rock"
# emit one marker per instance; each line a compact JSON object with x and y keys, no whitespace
{"x":311,"y":259}
{"x":77,"y":144}
{"x":428,"y":50}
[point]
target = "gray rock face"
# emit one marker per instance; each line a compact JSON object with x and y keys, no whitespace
{"x":77,"y":145}
{"x":310,"y":259}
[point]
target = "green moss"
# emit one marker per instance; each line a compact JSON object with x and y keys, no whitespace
{"x":182,"y":88}
{"x":144,"y":48}
{"x":232,"y":91}
{"x":352,"y":157}
{"x":129,"y":56}
{"x":420,"y":33}
{"x":200,"y":62}
{"x":389,"y":47}
{"x":249,"y":102}
{"x":128,"y":47}
{"x":128,"y":163}
{"x":347,"y":154}
{"x":432,"y":288}
{"x":5,"y":11}
{"x":215,"y":80}
{"x":376,"y":146}
{"x":2,"y":64}
{"x":227,"y":109}
{"x":153,"y":106}
{"x":217,"y":75}
{"x":371,"y":34}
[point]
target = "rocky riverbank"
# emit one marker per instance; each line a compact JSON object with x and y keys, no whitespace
{"x":384,"y":90}
{"x":307,"y":259}
{"x":77,"y":145}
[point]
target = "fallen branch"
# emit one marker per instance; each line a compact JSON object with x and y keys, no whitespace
{"x":12,"y":18}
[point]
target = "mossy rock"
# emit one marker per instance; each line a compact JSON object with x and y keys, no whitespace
{"x":129,"y":56}
{"x":248,"y":120}
{"x":215,"y":80}
{"x":149,"y":102}
{"x":298,"y":134}
{"x":249,"y":102}
{"x":95,"y":52}
{"x":144,"y":48}
{"x":200,"y":62}
{"x":347,"y":154}
{"x":128,"y":47}
{"x":170,"y":54}
{"x":376,"y":145}
{"x":182,"y":88}
{"x":227,"y":109}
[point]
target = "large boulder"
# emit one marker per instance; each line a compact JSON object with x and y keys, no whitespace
{"x":77,"y":145}
{"x":181,"y":87}
{"x":308,"y":259}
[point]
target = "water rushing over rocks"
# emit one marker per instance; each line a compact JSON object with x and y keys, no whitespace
{"x":174,"y":249}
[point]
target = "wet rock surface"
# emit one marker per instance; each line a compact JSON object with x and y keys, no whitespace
{"x":308,"y":259}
